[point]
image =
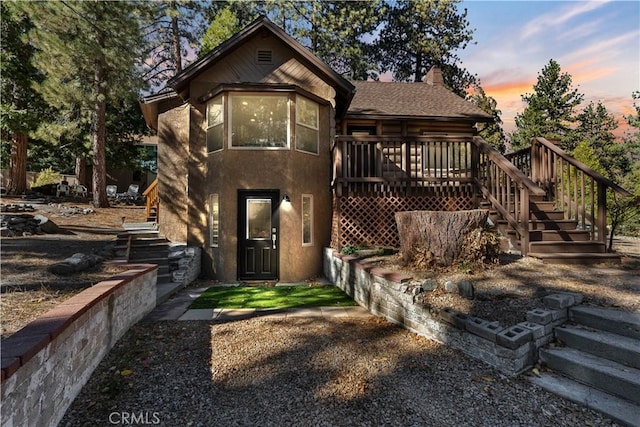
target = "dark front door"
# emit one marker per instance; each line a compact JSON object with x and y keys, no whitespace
{"x":258,"y":234}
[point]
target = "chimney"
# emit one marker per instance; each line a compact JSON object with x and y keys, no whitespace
{"x":434,"y":77}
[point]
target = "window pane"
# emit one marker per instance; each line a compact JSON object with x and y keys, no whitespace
{"x":259,"y":121}
{"x":214,"y":219}
{"x":214,"y":111}
{"x":258,"y":219}
{"x":307,"y":112}
{"x":307,"y":220}
{"x":215,"y":138}
{"x":306,"y":139}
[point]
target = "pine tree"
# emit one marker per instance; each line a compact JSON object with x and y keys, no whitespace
{"x":420,"y":34}
{"x":88,"y":53}
{"x":492,"y":131}
{"x":171,"y":28}
{"x":223,"y":26}
{"x":550,"y":109}
{"x":21,"y":106}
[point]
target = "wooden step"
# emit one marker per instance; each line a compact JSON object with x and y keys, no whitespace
{"x":547,"y":215}
{"x":567,"y":247}
{"x":562,"y":224}
{"x":542,"y":205}
{"x":558,"y":236}
{"x":575,"y":258}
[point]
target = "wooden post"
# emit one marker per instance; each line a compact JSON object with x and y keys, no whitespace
{"x":602,"y":212}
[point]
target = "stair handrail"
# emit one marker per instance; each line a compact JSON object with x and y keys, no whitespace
{"x":504,"y":185}
{"x":544,"y":171}
{"x":152,"y":199}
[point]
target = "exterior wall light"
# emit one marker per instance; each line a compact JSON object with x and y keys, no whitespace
{"x":286,"y":198}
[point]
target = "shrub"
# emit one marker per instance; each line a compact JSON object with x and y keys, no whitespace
{"x":46,"y":177}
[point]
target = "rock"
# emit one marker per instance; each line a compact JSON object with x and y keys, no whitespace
{"x":450,"y":287}
{"x":74,"y":264}
{"x":46,"y":225}
{"x":6,"y":232}
{"x":465,"y":289}
{"x":429,"y":285}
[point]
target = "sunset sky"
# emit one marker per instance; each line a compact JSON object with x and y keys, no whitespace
{"x":596,"y":42}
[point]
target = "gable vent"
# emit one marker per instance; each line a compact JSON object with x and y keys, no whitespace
{"x":264,"y":56}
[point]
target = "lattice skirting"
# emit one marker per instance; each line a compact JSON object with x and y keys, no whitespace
{"x":369,"y":221}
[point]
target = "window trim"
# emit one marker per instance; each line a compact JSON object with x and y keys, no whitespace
{"x":311,"y":241}
{"x":233,"y":95}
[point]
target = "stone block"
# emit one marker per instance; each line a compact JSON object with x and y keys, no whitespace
{"x":556,"y":301}
{"x":453,"y":317}
{"x":483,"y":328}
{"x":577,"y":297}
{"x":513,"y":337}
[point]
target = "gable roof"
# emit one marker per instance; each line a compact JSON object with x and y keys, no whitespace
{"x":422,"y":100}
{"x":344,"y":89}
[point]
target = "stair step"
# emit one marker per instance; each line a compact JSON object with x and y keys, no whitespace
{"x":559,"y":235}
{"x":617,"y":321}
{"x":604,"y":344}
{"x":567,"y":247}
{"x":542,"y":215}
{"x":164,"y":278}
{"x":137,"y":256}
{"x":620,"y":410}
{"x":152,"y":260}
{"x":575,"y":258}
{"x":138,"y":226}
{"x":561,"y":224}
{"x":542,"y":205}
{"x":594,"y":371}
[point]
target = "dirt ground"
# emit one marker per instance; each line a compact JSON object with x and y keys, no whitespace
{"x":503,"y":292}
{"x":27,"y":288}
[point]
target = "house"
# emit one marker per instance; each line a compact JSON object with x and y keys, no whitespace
{"x":266,"y":156}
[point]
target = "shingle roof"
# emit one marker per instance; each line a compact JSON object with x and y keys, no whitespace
{"x":411,"y":100}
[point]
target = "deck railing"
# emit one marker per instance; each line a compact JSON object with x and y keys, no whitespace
{"x":507,"y":188}
{"x":576,"y":189}
{"x":152,"y":200}
{"x":401,"y":164}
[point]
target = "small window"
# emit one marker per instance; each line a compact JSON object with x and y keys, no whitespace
{"x":307,"y":220}
{"x":307,"y":124}
{"x":215,"y":125}
{"x":214,"y":219}
{"x":264,"y":56}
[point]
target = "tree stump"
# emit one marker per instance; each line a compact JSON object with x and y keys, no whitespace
{"x":439,"y":237}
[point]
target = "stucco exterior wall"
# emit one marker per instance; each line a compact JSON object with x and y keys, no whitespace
{"x":173,"y":156}
{"x":188,"y":175}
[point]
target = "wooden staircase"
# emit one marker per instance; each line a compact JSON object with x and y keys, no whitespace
{"x":152,"y":201}
{"x":551,"y":206}
{"x":554,"y":239}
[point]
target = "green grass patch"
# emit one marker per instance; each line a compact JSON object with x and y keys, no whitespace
{"x":272,"y":297}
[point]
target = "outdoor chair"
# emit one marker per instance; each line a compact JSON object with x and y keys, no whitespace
{"x":62,"y":188}
{"x":79,"y":190}
{"x":112,"y":191}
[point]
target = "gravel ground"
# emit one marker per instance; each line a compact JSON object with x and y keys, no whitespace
{"x":306,"y":372}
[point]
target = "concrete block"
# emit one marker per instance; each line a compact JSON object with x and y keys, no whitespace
{"x":559,"y":300}
{"x":537,"y":330}
{"x":513,"y":337}
{"x":540,"y":315}
{"x":577,"y":297}
{"x":453,"y":317}
{"x":483,"y":328}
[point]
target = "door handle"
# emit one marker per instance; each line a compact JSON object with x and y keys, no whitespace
{"x":273,"y":238}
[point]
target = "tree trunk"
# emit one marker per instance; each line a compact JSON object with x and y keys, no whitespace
{"x":437,"y":236}
{"x":18,"y":165}
{"x":98,"y":138}
{"x":81,"y":171}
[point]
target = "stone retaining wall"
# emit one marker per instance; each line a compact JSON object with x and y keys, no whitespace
{"x":46,"y":364}
{"x":511,"y":349}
